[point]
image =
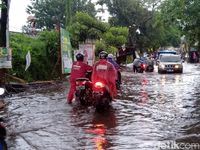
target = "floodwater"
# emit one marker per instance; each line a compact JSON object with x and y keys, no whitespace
{"x":153,"y":111}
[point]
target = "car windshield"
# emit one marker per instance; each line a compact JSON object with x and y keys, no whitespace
{"x":166,"y":52}
{"x":170,"y":59}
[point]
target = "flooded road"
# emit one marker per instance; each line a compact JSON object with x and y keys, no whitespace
{"x":153,"y":111}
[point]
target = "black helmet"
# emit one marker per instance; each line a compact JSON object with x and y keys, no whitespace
{"x":103,"y":55}
{"x":79,"y":57}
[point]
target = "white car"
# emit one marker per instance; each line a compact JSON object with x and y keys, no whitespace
{"x":170,"y":63}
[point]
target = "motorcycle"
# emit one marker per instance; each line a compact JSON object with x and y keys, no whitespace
{"x":101,"y":96}
{"x":3,"y":144}
{"x":139,"y":65}
{"x":83,"y":91}
{"x":2,"y":91}
{"x":141,"y":68}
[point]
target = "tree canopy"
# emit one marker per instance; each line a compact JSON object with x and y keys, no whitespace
{"x":50,"y":12}
{"x":78,"y":15}
{"x":184,"y":14}
{"x":141,"y":15}
{"x":85,"y":27}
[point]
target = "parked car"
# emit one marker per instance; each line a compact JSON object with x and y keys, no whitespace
{"x":170,"y":63}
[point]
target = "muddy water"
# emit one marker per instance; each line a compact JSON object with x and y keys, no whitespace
{"x":152,"y":111}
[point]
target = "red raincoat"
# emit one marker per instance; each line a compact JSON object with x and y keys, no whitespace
{"x":105,"y":72}
{"x":78,"y":70}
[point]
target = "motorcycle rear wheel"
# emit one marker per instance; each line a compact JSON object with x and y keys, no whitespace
{"x":103,"y":104}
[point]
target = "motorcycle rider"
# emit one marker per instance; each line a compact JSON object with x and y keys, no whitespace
{"x":105,"y":72}
{"x":3,"y":132}
{"x":136,"y":63}
{"x":79,"y":70}
{"x":110,"y":58}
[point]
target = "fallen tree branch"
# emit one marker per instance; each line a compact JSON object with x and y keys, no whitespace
{"x":16,"y":78}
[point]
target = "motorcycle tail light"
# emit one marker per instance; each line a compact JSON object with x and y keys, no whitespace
{"x":98,"y":85}
{"x":143,"y":65}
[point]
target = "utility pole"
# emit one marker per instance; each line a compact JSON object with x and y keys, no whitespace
{"x":4,"y":23}
{"x":4,"y":30}
{"x":132,"y":39}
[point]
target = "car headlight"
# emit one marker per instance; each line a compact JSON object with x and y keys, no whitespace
{"x":162,"y":66}
{"x":177,"y":66}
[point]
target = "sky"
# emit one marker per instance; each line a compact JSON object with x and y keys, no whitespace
{"x":17,"y":14}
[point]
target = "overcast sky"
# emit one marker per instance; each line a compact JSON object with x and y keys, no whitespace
{"x":17,"y":14}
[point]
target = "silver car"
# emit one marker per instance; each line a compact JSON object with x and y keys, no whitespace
{"x":170,"y":63}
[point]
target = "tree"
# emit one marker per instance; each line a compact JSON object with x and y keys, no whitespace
{"x":159,"y":34}
{"x":185,"y":15}
{"x":47,"y":12}
{"x":50,"y":12}
{"x":116,"y":36}
{"x":129,"y":12}
{"x":85,"y":6}
{"x":132,"y":14}
{"x":85,"y":27}
{"x":74,"y":6}
{"x":143,"y":16}
{"x":112,"y":39}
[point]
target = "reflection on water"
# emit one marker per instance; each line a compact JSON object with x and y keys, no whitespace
{"x":143,"y":93}
{"x":101,"y":128}
{"x":152,"y":109}
{"x":169,"y":98}
{"x":95,"y":128}
{"x":163,"y":80}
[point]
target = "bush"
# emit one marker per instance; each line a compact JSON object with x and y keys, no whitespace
{"x":43,"y":51}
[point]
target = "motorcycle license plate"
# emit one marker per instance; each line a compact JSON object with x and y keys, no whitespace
{"x":80,"y":87}
{"x":98,"y":93}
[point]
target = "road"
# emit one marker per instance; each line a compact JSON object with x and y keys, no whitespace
{"x":152,"y":111}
